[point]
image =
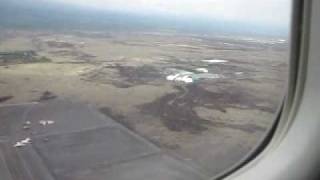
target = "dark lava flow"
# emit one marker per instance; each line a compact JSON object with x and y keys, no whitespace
{"x":47,"y":95}
{"x":177,"y":109}
{"x":129,"y":76}
{"x":5,"y":98}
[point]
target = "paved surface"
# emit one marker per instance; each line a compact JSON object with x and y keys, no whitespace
{"x":81,"y":144}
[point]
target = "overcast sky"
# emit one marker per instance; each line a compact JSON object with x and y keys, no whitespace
{"x":267,"y":12}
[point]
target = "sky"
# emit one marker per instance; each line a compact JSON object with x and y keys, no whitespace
{"x":260,"y":12}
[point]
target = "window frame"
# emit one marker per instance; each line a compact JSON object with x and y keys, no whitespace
{"x":287,"y":111}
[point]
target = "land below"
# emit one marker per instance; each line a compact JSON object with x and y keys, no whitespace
{"x":201,"y":99}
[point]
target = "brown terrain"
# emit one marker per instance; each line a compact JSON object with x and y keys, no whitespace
{"x":221,"y":114}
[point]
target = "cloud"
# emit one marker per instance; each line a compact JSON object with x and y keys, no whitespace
{"x":267,"y":12}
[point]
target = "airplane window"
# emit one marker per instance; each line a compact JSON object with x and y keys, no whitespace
{"x":135,"y":89}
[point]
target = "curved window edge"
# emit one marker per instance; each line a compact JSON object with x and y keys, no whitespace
{"x":284,"y":117}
